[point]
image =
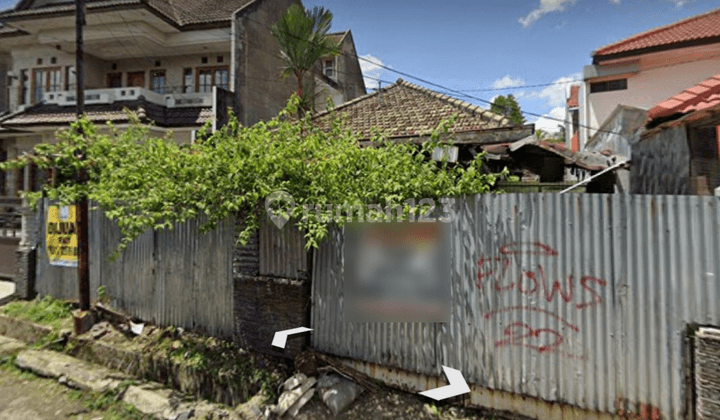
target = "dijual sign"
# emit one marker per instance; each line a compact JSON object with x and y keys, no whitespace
{"x":61,"y":239}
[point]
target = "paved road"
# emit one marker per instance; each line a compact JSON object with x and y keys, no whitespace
{"x":30,"y":398}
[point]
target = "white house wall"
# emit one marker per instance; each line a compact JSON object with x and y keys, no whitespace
{"x":646,"y":89}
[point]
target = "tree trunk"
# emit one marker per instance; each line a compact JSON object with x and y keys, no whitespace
{"x":301,"y":105}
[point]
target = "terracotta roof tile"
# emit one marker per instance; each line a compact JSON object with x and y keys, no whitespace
{"x":182,"y":12}
{"x":706,"y":25}
{"x":704,"y":95}
{"x":51,"y":114}
{"x":405,"y":109}
{"x":574,"y":95}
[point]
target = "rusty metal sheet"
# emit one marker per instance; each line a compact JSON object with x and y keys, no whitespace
{"x":580,"y":299}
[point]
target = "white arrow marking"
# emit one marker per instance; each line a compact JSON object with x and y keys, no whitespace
{"x":457,"y":386}
{"x":280,"y":337}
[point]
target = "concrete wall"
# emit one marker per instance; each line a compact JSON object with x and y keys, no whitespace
{"x":4,"y":68}
{"x":645,"y":90}
{"x":173,"y":66}
{"x":96,"y":70}
{"x":348,"y":76}
{"x":260,"y":90}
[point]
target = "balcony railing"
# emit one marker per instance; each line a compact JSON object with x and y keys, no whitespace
{"x":108,"y":96}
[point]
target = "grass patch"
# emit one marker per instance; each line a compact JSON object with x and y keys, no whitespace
{"x":7,"y":364}
{"x":46,"y":310}
{"x":230,"y":366}
{"x":110,"y":403}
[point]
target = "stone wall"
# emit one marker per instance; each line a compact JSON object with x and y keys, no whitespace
{"x":707,"y":373}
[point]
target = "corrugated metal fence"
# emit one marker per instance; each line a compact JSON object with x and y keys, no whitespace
{"x":579,"y":299}
{"x":179,"y":277}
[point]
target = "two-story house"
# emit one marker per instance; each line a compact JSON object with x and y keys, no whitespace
{"x":176,"y":64}
{"x":340,"y":77}
{"x":641,"y":71}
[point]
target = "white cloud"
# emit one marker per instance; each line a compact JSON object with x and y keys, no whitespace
{"x":508,"y":81}
{"x":555,"y":94}
{"x":615,"y":1}
{"x":679,"y":3}
{"x":551,"y":121}
{"x":545,"y":7}
{"x":371,"y":70}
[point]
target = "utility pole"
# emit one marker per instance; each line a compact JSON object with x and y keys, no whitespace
{"x":81,"y":216}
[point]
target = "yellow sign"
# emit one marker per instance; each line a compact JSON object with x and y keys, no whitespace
{"x":61,"y":240}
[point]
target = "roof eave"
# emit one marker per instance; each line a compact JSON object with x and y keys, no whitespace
{"x":599,"y":58}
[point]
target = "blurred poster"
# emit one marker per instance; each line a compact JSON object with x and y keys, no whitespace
{"x":397,"y":272}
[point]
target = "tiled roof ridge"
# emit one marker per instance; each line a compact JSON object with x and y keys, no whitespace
{"x":354,"y":101}
{"x":688,"y":99}
{"x":343,"y":33}
{"x":650,"y":31}
{"x":458,"y":103}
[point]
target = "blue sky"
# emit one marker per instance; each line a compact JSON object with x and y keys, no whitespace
{"x":486,"y":44}
{"x":465,"y":44}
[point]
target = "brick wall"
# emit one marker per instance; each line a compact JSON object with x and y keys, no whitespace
{"x":707,"y":373}
{"x":264,"y":304}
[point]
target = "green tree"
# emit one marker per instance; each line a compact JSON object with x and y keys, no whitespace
{"x":142,"y":182}
{"x":509,"y":107}
{"x":303,"y":40}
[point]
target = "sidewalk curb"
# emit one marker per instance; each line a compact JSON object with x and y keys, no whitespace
{"x":147,"y":397}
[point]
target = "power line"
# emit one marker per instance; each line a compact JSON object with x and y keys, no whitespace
{"x":455,"y":91}
{"x":520,"y":87}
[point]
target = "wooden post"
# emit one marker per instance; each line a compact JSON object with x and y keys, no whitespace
{"x":82,"y":205}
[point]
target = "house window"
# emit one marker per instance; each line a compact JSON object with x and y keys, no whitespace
{"x":114,"y":80}
{"x":188,"y":81}
{"x":208,"y":77}
{"x":609,"y":85}
{"x":24,"y":87}
{"x":45,"y":80}
{"x":157,"y":78}
{"x":329,"y":68}
{"x":70,"y":78}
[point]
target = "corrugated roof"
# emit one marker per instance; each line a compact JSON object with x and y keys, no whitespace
{"x":404,"y":109}
{"x":704,"y":95}
{"x":704,"y":26}
{"x":51,"y":114}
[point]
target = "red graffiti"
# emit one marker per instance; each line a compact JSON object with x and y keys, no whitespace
{"x":527,"y":248}
{"x":496,"y":271}
{"x":532,"y":309}
{"x":528,"y":282}
{"x":641,"y":411}
{"x":543,"y":340}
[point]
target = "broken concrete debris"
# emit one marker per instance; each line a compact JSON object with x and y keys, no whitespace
{"x":289,"y":398}
{"x":337,"y":392}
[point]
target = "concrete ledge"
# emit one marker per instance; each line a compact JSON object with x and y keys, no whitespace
{"x":77,"y":373}
{"x":23,"y":330}
{"x":10,"y":346}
